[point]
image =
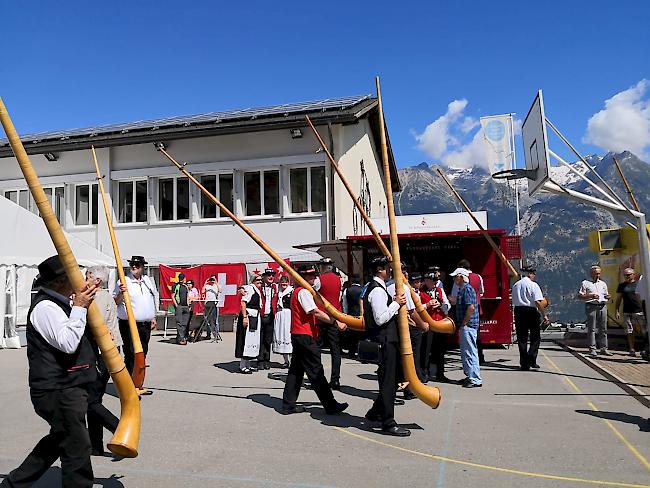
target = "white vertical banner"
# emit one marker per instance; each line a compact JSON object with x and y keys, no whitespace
{"x":497,"y":133}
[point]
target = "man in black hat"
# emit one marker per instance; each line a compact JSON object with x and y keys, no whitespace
{"x":306,"y":353}
{"x":61,"y":365}
{"x":529,"y":303}
{"x":144,"y":299}
{"x":268,"y":307}
{"x":380,"y":316}
{"x":328,"y":284}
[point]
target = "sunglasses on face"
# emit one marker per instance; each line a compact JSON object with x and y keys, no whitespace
{"x":628,"y":275}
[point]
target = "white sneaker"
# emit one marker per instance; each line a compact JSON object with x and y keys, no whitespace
{"x":593,"y":353}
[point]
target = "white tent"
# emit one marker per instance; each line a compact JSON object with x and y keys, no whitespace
{"x":24,"y":245}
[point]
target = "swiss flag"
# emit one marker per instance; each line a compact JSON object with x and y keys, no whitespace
{"x":258,"y":268}
{"x":229,"y":277}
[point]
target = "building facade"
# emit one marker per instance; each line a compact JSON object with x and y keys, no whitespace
{"x":264,"y":164}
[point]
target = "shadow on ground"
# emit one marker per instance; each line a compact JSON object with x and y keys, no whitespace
{"x":52,"y":477}
{"x":643,"y":424}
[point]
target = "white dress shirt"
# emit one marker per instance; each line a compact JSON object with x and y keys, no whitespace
{"x":381,"y":312}
{"x":525,"y":293}
{"x":409,"y":300}
{"x":59,"y":331}
{"x":306,"y":300}
{"x":144,"y":298}
{"x":599,"y":287}
{"x":212,"y":292}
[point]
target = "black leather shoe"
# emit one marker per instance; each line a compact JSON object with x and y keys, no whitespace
{"x":372,"y":416}
{"x":469,"y":384}
{"x":335,"y":385}
{"x":534,"y":366}
{"x":338,"y":408}
{"x":97,"y":452}
{"x":399,"y":401}
{"x":442,"y":379}
{"x":267,"y":365}
{"x":294,"y":409}
{"x":396,"y":430}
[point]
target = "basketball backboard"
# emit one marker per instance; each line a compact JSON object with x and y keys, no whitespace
{"x":533,"y":132}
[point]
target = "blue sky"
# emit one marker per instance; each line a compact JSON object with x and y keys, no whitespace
{"x":76,"y":64}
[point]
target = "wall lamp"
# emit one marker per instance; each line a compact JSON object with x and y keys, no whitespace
{"x":51,"y":157}
{"x":295,"y":133}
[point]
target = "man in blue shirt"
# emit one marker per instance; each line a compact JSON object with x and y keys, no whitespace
{"x":468,"y":323}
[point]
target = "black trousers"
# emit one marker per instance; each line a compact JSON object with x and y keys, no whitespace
{"x":384,"y":404}
{"x":329,"y":336}
{"x":438,"y":350}
{"x":144,"y":331}
{"x":65,"y":411}
{"x":527,"y":321}
{"x":425,"y":353}
{"x":98,"y":415}
{"x":416,"y":344}
{"x":306,"y":359}
{"x":266,"y":337}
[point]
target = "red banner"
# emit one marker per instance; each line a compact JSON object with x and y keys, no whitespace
{"x":229,"y":277}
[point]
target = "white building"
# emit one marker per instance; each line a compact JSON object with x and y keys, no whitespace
{"x":263,"y":163}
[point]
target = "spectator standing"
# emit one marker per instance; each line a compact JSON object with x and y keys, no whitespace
{"x":212,"y":292}
{"x":626,"y":292}
{"x":476,"y":282}
{"x":282,"y":325}
{"x":180,"y":299}
{"x":468,"y":324}
{"x":192,"y":298}
{"x":98,"y":415}
{"x":595,"y":294}
{"x":529,"y":303}
{"x":144,"y":300}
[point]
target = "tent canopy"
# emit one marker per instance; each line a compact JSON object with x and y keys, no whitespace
{"x":27,"y":243}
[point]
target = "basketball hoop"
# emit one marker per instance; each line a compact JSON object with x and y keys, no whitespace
{"x":515,"y":174}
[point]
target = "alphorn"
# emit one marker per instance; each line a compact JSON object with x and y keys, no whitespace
{"x":355,"y":323}
{"x":127,"y":435}
{"x":446,"y":325}
{"x":430,"y":396}
{"x":139,"y":366}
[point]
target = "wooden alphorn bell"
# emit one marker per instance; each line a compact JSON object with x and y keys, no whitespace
{"x":355,"y":323}
{"x":430,"y":396}
{"x":444,"y":326}
{"x":139,"y":366}
{"x":127,"y":435}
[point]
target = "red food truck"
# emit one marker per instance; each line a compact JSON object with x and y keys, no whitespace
{"x":420,"y":251}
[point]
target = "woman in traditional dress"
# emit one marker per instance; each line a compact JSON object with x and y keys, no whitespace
{"x":247,"y":343}
{"x":282,"y":324}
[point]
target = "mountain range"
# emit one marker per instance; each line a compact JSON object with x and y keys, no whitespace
{"x":554,"y":229}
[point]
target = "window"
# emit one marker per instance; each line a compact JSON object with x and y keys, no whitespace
{"x":85,"y":204}
{"x":55,"y":194}
{"x":262,"y":192}
{"x":308,"y":192}
{"x":224,"y":193}
{"x":132,"y":201}
{"x":173,"y":199}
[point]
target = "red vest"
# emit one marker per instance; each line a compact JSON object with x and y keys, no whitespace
{"x":330,"y":288}
{"x":436,"y":313}
{"x":475,"y":282}
{"x":301,"y":321}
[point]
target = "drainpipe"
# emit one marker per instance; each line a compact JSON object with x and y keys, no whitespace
{"x":332,"y":227}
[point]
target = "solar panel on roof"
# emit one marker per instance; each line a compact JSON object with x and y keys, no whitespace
{"x":210,"y":117}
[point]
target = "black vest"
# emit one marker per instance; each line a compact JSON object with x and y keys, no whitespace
{"x":387,"y":332}
{"x":254,"y":303}
{"x":352,"y":297}
{"x":50,"y":368}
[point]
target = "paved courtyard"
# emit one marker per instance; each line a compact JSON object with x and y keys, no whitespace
{"x":207,"y":425}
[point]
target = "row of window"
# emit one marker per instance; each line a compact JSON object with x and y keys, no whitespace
{"x":260,"y":196}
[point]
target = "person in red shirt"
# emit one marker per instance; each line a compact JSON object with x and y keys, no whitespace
{"x":306,"y":353}
{"x":328,"y":284}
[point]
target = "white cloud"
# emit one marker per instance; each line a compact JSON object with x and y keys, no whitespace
{"x":624,"y":123}
{"x":436,"y":138}
{"x":447,"y":139}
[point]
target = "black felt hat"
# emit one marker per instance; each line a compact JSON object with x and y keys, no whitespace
{"x":307,"y":269}
{"x":269,"y":271}
{"x":49,"y":270}
{"x":137,"y":259}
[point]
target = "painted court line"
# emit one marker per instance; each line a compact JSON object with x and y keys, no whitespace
{"x":492,"y":468}
{"x":620,"y":436}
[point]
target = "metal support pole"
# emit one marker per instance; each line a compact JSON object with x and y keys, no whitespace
{"x":644,"y":252}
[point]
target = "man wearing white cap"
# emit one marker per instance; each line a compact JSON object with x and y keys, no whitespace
{"x":468,"y":323}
